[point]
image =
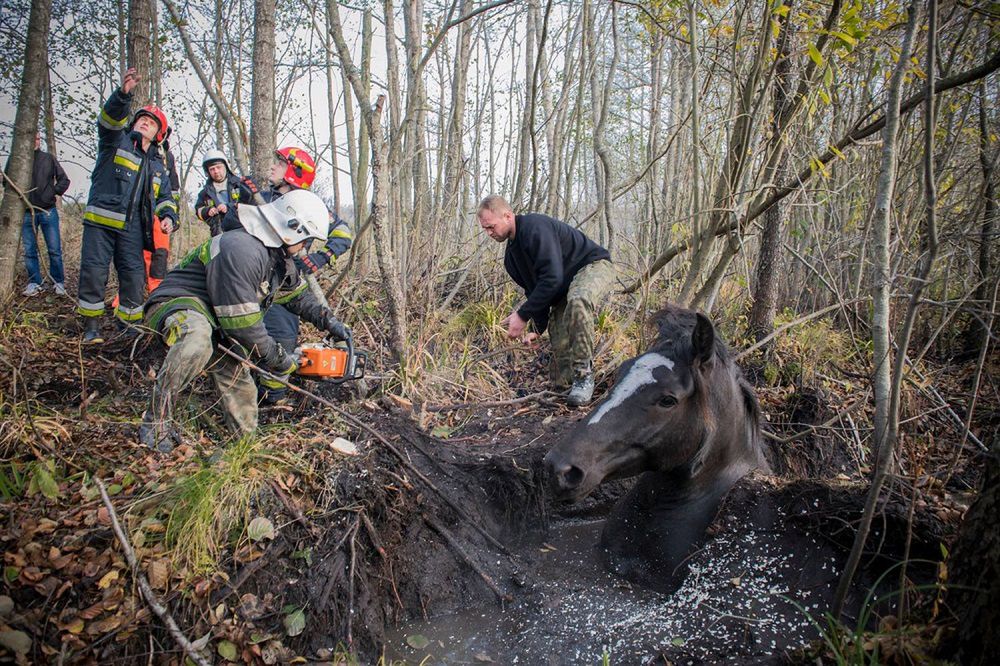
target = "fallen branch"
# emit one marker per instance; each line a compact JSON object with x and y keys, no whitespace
{"x":801,"y":320}
{"x":293,"y":509}
{"x":275,"y":550}
{"x":842,"y":413}
{"x":541,"y":396}
{"x":147,"y":592}
{"x":457,"y":547}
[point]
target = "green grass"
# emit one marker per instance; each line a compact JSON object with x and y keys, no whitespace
{"x":209,"y":508}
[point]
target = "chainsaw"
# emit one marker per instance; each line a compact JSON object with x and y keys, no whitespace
{"x":336,"y":363}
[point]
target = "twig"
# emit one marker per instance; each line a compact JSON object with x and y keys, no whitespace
{"x":836,"y":417}
{"x":801,"y":320}
{"x":292,"y":508}
{"x":457,"y":547}
{"x":350,"y":585}
{"x":147,"y":592}
{"x":372,"y":534}
{"x":541,"y":396}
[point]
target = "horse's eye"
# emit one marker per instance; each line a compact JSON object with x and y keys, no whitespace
{"x":667,"y":401}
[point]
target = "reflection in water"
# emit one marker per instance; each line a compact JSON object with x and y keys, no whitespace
{"x":735,"y":602}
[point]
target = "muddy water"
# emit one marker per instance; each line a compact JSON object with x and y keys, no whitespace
{"x":735,"y":605}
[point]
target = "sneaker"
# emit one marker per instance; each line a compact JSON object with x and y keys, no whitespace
{"x":92,"y":331}
{"x":158,"y":435}
{"x":32,"y":289}
{"x":582,"y":390}
{"x":60,"y":289}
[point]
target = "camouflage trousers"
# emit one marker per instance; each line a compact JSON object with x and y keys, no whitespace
{"x":188,"y":335}
{"x":571,"y":322}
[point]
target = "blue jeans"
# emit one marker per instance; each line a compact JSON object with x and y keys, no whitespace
{"x":48,"y":222}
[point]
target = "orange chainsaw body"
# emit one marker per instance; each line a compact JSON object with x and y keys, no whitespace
{"x":325,"y":362}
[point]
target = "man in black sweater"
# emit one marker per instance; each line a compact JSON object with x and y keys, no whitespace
{"x":565,"y":276}
{"x":48,"y":181}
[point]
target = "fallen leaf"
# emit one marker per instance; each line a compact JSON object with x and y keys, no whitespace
{"x":108,"y":578}
{"x":295,"y":622}
{"x":417,"y":641}
{"x":158,"y":572}
{"x":345,"y":446}
{"x":735,"y":582}
{"x":104,"y":516}
{"x":483,"y":658}
{"x":6,"y":605}
{"x":73,"y":626}
{"x":227,"y":650}
{"x":16,"y":641}
{"x":260,"y":528}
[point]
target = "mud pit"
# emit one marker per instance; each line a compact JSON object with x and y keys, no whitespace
{"x":775,"y":550}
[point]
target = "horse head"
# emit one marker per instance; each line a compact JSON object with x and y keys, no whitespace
{"x":676,"y":408}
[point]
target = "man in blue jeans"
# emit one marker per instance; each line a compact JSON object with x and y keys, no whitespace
{"x":48,"y":180}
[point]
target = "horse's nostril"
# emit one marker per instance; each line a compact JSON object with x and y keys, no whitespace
{"x":570,"y":477}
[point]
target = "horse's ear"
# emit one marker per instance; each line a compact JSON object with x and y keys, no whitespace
{"x":703,"y":339}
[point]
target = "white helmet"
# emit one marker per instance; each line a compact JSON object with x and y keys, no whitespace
{"x":289,"y":219}
{"x":212,"y":157}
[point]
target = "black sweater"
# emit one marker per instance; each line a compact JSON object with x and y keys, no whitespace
{"x":543,"y":257}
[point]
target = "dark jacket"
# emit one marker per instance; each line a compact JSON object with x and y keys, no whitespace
{"x":232,"y":279}
{"x":128,"y":186}
{"x":543,"y":257}
{"x":236,"y":192}
{"x":48,"y":180}
{"x":338,"y":240}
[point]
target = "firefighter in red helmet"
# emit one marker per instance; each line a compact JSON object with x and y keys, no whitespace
{"x":130,"y":192}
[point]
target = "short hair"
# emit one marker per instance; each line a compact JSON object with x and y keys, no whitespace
{"x":495,"y":204}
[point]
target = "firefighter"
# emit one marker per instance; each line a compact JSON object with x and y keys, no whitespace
{"x":217,"y":295}
{"x":294,"y":169}
{"x":222,"y":190}
{"x":130,"y":187}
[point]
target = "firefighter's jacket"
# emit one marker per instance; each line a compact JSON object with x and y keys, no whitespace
{"x":338,"y":240}
{"x":232,"y":279}
{"x":127,"y":186}
{"x":236,"y":192}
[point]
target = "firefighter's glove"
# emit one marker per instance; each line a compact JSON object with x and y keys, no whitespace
{"x":312,"y":262}
{"x":337,"y":330}
{"x":275,"y":385}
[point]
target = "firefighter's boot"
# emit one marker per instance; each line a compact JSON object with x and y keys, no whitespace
{"x":92,"y":331}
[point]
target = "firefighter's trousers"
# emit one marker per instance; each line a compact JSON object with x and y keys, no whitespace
{"x":99,"y":248}
{"x":191,"y":350}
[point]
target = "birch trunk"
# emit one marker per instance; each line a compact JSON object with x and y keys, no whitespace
{"x":262,"y":127}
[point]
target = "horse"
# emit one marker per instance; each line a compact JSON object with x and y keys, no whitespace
{"x":682,"y":416}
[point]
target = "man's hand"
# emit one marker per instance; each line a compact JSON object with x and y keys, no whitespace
{"x":213,"y":211}
{"x":167,"y":225}
{"x":337,"y":330}
{"x":222,"y":208}
{"x":129,"y":81}
{"x":515,"y":325}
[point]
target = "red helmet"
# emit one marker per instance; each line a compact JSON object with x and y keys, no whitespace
{"x":301,"y":169}
{"x":156,"y":113}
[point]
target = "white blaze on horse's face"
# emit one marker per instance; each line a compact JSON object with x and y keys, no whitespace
{"x":639,"y":375}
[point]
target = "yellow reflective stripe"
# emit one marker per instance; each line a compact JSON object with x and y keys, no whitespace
{"x":166,"y":205}
{"x":104,"y":217}
{"x":88,"y":309}
{"x":126,"y":159}
{"x":128,"y":314}
{"x":111,"y":123}
{"x":236,"y":310}
{"x":281,"y":300}
{"x":244,"y":321}
{"x":337,"y":233}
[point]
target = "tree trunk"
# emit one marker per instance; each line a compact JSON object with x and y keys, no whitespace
{"x":262,"y":128}
{"x":976,"y":334}
{"x":454,"y":163}
{"x":138,"y":46}
{"x":881,"y":293}
{"x":768,"y":273}
{"x":50,"y":114}
{"x":975,"y":573}
{"x":29,"y":102}
{"x":524,"y":136}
